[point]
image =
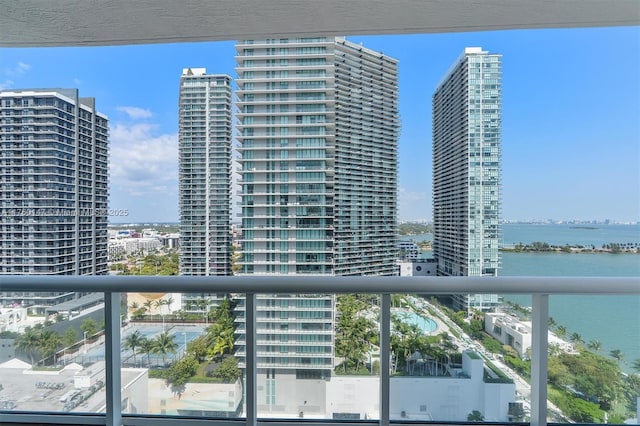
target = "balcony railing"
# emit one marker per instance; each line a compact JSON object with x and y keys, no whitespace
{"x":540,"y":288}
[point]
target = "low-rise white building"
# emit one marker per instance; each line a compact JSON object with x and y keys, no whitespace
{"x":423,"y":398}
{"x":408,"y":250}
{"x":511,"y":331}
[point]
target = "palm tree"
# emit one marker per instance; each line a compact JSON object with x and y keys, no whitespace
{"x":576,"y":338}
{"x":636,"y":365}
{"x":146,"y":346}
{"x":552,"y":323}
{"x":561,"y":331}
{"x":50,"y":341}
{"x":595,"y":345}
{"x":133,"y":341}
{"x":148,"y":304}
{"x":28,"y":342}
{"x":164,"y":345}
{"x":617,"y":355}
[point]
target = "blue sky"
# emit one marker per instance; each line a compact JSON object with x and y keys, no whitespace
{"x":571,"y":115}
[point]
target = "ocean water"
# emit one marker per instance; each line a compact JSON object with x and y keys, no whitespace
{"x":613,"y":320}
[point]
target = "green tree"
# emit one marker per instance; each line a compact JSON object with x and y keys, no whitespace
{"x":146,"y":347}
{"x":89,"y":326}
{"x":50,"y":342}
{"x":636,"y":365}
{"x":595,"y":345}
{"x":148,"y":305}
{"x":29,"y":342}
{"x":617,"y":355}
{"x":198,"y":348}
{"x":576,"y":339}
{"x":133,"y":341}
{"x":70,"y":337}
{"x":179,"y":374}
{"x":164,"y":345}
{"x":475,"y":416}
{"x":561,"y":331}
{"x":228,"y":370}
{"x":235,"y":259}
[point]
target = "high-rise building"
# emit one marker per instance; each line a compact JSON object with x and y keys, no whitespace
{"x":318,"y":126}
{"x":53,"y":186}
{"x":318,"y":130}
{"x":205,"y":172}
{"x":467,"y":115}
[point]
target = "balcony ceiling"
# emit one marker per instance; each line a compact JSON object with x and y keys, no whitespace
{"x":28,"y":23}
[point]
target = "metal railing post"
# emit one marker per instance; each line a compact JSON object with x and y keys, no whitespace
{"x":385,"y":356}
{"x":112,"y":358}
{"x":539,"y":350}
{"x":251,"y":403}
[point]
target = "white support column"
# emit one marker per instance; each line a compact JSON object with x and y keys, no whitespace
{"x":112,"y":358}
{"x":251,"y":405}
{"x":385,"y":356}
{"x":539,"y":351}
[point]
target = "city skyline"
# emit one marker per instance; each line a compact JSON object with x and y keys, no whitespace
{"x":557,"y":116}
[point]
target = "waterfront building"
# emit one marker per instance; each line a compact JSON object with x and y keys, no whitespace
{"x":408,"y":250}
{"x":318,"y":129}
{"x":467,"y":123}
{"x":53,"y":188}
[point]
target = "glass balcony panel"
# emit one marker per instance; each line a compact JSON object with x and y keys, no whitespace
{"x":445,"y":366}
{"x":53,"y":352}
{"x":594,"y":359}
{"x":178,"y":355}
{"x":317,"y":356}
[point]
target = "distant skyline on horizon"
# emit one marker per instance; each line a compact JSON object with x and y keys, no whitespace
{"x":571,"y":127}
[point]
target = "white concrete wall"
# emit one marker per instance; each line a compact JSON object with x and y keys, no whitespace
{"x":497,"y":397}
{"x":354,"y":394}
{"x":292,"y":396}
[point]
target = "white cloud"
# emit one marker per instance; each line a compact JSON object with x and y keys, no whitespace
{"x":135,"y":112}
{"x":18,"y":70}
{"x":7,"y":84}
{"x":77,"y":81}
{"x":142,"y":163}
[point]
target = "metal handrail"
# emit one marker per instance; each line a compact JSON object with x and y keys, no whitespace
{"x":325,"y":284}
{"x":539,"y":287}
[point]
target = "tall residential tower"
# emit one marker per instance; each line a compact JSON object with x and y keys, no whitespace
{"x":467,"y":118}
{"x":319,"y":130}
{"x":204,"y":148}
{"x":53,"y":186}
{"x":318,"y":126}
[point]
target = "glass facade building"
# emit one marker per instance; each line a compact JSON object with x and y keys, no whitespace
{"x":318,"y":131}
{"x":318,"y":126}
{"x":467,"y":118}
{"x":53,"y":188}
{"x":205,"y":172}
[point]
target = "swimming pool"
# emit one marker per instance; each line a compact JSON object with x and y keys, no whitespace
{"x":427,"y":325}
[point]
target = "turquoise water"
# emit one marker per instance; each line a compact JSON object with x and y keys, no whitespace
{"x":613,"y":320}
{"x":427,"y":325}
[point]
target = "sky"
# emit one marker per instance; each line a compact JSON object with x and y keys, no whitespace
{"x":571,"y":116}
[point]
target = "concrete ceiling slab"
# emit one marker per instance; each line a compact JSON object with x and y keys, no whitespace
{"x":28,"y":23}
